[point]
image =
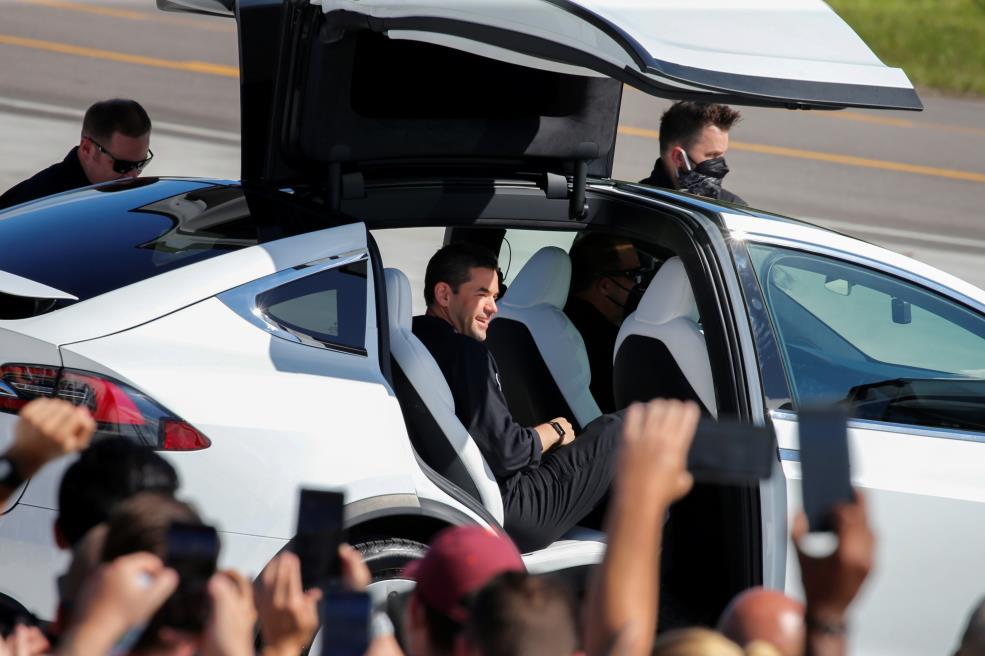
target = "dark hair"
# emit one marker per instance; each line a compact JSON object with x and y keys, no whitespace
{"x":442,"y":630}
{"x":518,"y":614}
{"x":141,"y":523}
{"x":105,"y":474}
{"x":105,"y":117}
{"x":453,"y":265}
{"x":592,"y":255}
{"x":684,"y":121}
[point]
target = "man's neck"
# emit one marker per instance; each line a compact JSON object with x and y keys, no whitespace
{"x":598,"y":301}
{"x":440,"y":313}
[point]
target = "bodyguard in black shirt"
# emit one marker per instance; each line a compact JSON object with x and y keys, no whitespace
{"x":550,"y":478}
{"x":115,"y":144}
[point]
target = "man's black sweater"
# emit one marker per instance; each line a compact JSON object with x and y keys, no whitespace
{"x":66,"y":174}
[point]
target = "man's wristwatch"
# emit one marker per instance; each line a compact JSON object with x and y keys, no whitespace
{"x":10,"y":478}
{"x":560,"y":431}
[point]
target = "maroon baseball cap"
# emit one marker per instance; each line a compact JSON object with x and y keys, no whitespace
{"x":461,"y":560}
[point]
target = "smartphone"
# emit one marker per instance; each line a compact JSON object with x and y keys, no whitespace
{"x":826,"y":477}
{"x":320,"y":530}
{"x":730,"y":452}
{"x":192,"y":551}
{"x":345,"y":623}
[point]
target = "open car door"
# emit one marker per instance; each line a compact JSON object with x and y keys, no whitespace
{"x":784,"y":53}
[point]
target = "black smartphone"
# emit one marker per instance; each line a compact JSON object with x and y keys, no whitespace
{"x":345,"y":623}
{"x":192,"y":551}
{"x":826,"y":477}
{"x":320,"y":530}
{"x":730,"y":452}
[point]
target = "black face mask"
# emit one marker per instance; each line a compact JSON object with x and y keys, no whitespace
{"x":705,"y":179}
{"x":633,"y":298}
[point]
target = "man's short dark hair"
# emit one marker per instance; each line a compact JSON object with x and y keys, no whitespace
{"x":108,"y":472}
{"x":593,"y":255}
{"x":683,"y":122}
{"x":105,"y":117}
{"x":518,"y":614}
{"x":453,"y":265}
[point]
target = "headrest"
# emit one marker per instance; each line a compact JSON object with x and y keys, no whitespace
{"x":398,"y":299}
{"x":669,"y":295}
{"x":543,"y":279}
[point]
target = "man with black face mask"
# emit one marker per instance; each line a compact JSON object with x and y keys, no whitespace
{"x":693,"y":143}
{"x":606,"y":286}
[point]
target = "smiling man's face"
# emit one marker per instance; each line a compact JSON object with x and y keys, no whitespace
{"x":473,"y":306}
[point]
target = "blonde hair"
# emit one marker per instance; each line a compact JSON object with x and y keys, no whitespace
{"x":704,"y":642}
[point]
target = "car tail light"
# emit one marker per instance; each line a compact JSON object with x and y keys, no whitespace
{"x":119,"y":410}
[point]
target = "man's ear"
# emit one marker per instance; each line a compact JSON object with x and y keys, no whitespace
{"x":442,"y":294}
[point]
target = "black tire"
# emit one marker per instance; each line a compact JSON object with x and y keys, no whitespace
{"x":387,"y":558}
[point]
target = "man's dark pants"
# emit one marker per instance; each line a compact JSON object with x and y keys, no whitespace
{"x":571,"y":481}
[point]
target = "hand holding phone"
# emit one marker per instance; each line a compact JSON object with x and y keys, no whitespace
{"x":192,"y":551}
{"x":320,"y":530}
{"x":730,"y":452}
{"x":346,"y":623}
{"x":824,"y":464}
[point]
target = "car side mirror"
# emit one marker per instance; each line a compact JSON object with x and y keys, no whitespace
{"x":901,"y":311}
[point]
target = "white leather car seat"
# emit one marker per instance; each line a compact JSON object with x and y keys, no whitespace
{"x":421,"y":383}
{"x":660,"y":350}
{"x":542,"y":360}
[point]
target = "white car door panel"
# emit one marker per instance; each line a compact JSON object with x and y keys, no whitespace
{"x":909,"y":363}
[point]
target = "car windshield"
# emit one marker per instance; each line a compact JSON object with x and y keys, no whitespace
{"x":93,"y":241}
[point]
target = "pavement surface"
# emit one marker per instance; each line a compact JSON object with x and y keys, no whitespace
{"x":914,"y":182}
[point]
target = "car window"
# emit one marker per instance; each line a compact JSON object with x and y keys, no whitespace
{"x":105,"y":239}
{"x":410,"y":249}
{"x":890,"y":349}
{"x":520,"y":245}
{"x":326,"y":308}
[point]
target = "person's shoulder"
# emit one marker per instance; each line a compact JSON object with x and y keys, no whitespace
{"x":436,"y":333}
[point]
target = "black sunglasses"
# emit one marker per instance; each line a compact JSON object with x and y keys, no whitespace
{"x":637,"y":275}
{"x":124,"y":166}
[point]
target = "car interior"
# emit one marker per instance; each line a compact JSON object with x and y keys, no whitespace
{"x":544,"y":369}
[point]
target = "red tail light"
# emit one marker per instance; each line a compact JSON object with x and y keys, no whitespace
{"x":119,"y":410}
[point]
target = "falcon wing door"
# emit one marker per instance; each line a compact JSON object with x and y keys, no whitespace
{"x":785,"y":53}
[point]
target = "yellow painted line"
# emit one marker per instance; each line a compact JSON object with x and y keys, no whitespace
{"x":141,"y":60}
{"x":834,"y":158}
{"x":129,"y":14}
{"x":866,"y":118}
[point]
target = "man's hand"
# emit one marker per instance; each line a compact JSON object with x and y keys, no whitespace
{"x":117,"y":596}
{"x":355,"y":574}
{"x":229,"y":631}
{"x":48,"y":429}
{"x":288,"y":615}
{"x":832,"y":582}
{"x":549,"y":436}
{"x":24,"y":641}
{"x":653,"y":458}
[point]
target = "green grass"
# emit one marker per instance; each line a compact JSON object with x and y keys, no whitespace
{"x":939,"y":43}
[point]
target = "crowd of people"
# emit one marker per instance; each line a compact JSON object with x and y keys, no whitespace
{"x":472,"y":594}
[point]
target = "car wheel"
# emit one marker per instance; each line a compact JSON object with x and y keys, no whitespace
{"x":386,"y":560}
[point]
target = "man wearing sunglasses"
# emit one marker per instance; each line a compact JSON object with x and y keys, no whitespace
{"x":606,"y":285}
{"x":115,"y":144}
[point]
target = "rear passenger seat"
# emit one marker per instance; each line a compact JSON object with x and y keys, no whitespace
{"x":445,"y":445}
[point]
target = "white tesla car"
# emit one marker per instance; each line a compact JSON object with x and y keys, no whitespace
{"x":257,"y":333}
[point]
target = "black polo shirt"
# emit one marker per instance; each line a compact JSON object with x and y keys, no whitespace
{"x":600,"y":340}
{"x":472,"y":375}
{"x":66,"y":174}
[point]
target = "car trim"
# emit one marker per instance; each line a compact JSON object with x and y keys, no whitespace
{"x":855,"y":258}
{"x":789,"y":455}
{"x":890,"y":427}
{"x":242,"y":299}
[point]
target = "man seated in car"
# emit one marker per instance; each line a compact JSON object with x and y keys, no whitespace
{"x":606,"y":285}
{"x":550,"y":478}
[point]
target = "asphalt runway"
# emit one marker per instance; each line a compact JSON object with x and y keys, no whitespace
{"x":912,"y":181}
